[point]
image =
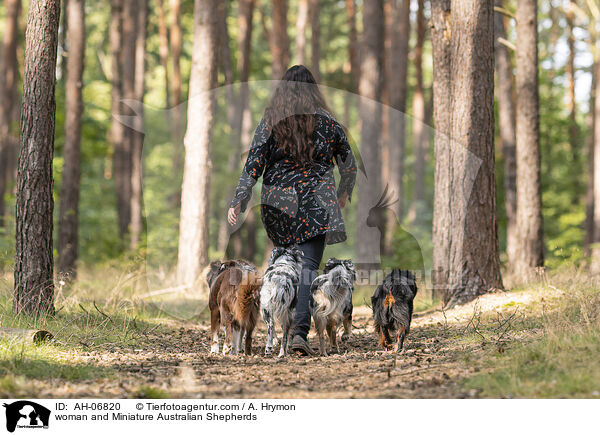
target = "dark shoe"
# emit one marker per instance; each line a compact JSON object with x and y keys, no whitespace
{"x":301,"y":345}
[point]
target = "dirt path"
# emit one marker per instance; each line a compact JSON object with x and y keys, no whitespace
{"x":176,"y":361}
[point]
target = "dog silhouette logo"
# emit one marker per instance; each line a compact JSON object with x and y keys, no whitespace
{"x":26,"y":414}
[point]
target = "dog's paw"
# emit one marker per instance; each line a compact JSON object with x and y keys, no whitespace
{"x":214,"y":348}
{"x":268,"y":351}
{"x":345,"y":337}
{"x":226,"y":350}
{"x":282,"y":354}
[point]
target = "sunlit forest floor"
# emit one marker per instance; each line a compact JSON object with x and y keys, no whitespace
{"x":542,"y":340}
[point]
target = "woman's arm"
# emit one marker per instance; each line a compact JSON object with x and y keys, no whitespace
{"x":346,"y":165}
{"x":253,"y":169}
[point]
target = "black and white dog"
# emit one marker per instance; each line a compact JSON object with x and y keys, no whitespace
{"x":332,"y":301}
{"x":278,"y":294}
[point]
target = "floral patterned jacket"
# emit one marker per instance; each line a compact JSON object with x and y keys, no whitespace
{"x":300,"y":202}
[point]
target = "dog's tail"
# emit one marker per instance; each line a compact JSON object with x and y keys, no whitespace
{"x":248,"y":297}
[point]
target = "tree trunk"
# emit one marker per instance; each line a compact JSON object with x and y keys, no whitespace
{"x":280,"y":43}
{"x":301,"y":31}
{"x":529,"y":199}
{"x":442,"y":80}
{"x":163,"y":33}
{"x":34,"y":285}
{"x":137,"y":146}
{"x":506,"y":124}
{"x":399,"y":35}
{"x":245,"y":13}
{"x":117,"y":131}
{"x":8,"y":94}
{"x":315,"y":39}
{"x":473,"y":263}
{"x":595,"y":263}
{"x":177,"y":120}
{"x":69,"y":197}
{"x":370,"y":86}
{"x":353,"y":45}
{"x":420,"y":142}
{"x":193,"y":228}
{"x":589,"y":197}
{"x":571,"y":103}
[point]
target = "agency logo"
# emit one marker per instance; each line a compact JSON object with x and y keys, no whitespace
{"x":27,"y":415}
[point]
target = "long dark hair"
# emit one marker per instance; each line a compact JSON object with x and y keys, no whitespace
{"x":291,"y":111}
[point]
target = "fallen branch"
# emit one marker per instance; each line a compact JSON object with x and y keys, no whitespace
{"x":34,"y":335}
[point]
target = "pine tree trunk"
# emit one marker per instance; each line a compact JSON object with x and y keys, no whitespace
{"x":442,"y":81}
{"x":353,"y":44}
{"x":370,"y":87}
{"x":315,"y":39}
{"x":193,"y":228}
{"x":571,"y":103}
{"x":245,"y":13}
{"x":473,"y":263}
{"x":69,"y":197}
{"x":280,"y":43}
{"x":595,"y":263}
{"x":137,"y":146}
{"x":34,"y":285}
{"x":506,"y":124}
{"x":301,"y":22}
{"x":420,"y":142}
{"x":529,"y":199}
{"x":117,"y":131}
{"x":177,"y":120}
{"x":8,"y":93}
{"x":589,"y":196}
{"x":163,"y":50}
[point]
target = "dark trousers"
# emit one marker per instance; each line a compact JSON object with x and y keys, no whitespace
{"x":313,"y":253}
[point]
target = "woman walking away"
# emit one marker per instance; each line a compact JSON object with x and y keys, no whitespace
{"x":294,"y":149}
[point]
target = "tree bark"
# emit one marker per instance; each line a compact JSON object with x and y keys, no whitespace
{"x":34,"y":286}
{"x":399,"y":35}
{"x":370,"y":87}
{"x":163,"y":50}
{"x":280,"y":42}
{"x":245,"y":13}
{"x":117,"y":131}
{"x":315,"y":39}
{"x":589,"y":197}
{"x":69,"y":197}
{"x":571,"y":103}
{"x":8,"y":95}
{"x":193,"y":234}
{"x":353,"y":45}
{"x":420,"y":141}
{"x":506,"y":124}
{"x":301,"y":22}
{"x":441,"y":32}
{"x":595,"y":263}
{"x":137,"y":145}
{"x":473,"y":263}
{"x":529,"y":199}
{"x":177,"y":120}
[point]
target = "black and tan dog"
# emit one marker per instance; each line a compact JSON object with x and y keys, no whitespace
{"x":393,"y":307}
{"x":234,"y":304}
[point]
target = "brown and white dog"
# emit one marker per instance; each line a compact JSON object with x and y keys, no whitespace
{"x":234,"y":304}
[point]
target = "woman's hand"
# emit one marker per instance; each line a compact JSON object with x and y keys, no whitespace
{"x":342,"y":200}
{"x":233,"y":214}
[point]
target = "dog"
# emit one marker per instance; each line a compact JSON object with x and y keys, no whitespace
{"x":278,"y":294}
{"x":331,"y":302}
{"x":392,"y":305}
{"x":234,"y":304}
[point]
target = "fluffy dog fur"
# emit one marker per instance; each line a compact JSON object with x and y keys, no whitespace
{"x":332,"y":301}
{"x":393,"y":307}
{"x":234,"y":303}
{"x":278,"y":294}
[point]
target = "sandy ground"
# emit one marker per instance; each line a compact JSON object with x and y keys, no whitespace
{"x":177,"y":361}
